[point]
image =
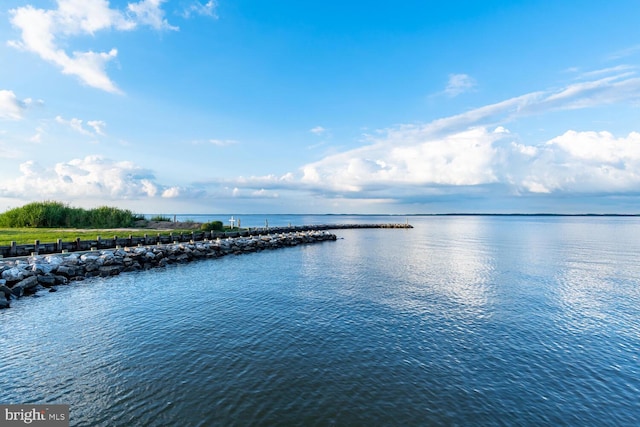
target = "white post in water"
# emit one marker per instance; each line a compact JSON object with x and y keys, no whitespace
{"x":232,"y":221}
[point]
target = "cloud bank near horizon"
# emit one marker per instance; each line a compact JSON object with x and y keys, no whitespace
{"x":472,"y":154}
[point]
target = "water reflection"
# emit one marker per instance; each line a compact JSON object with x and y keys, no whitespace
{"x":596,"y":276}
{"x":460,"y":321}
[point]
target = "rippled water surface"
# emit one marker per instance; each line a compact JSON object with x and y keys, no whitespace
{"x":459,"y":321}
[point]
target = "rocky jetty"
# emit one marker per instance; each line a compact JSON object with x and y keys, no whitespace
{"x":26,"y":276}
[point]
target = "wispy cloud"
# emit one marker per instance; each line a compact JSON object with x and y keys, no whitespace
{"x":78,"y":125}
{"x":45,"y":32}
{"x":201,"y":9}
{"x":149,"y":12}
{"x":222,"y":142}
{"x":318,"y":130}
{"x":617,"y":70}
{"x":459,"y":84}
{"x":10,"y":107}
{"x":97,"y":126}
{"x":624,"y":53}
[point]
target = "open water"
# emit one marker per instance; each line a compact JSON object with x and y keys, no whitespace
{"x":460,"y":321}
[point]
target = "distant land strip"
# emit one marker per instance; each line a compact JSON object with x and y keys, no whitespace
{"x":526,"y":214}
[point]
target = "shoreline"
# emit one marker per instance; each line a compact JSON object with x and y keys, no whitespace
{"x":174,"y":236}
{"x":24,"y":276}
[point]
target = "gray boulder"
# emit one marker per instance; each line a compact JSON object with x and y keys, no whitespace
{"x":47,"y":280}
{"x":66,"y":271}
{"x":14,"y":274}
{"x":4,"y":289}
{"x":110,"y":270}
{"x":42,"y":268}
{"x":29,"y":284}
{"x":17,"y":290}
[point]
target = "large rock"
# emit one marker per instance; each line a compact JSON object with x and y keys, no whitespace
{"x":66,"y":271}
{"x":30,"y":282}
{"x":28,"y":285}
{"x":42,"y":268}
{"x":89,"y":257}
{"x":47,"y":280}
{"x":14,"y":274}
{"x":54,"y":260}
{"x":91,"y":266}
{"x":110,"y":270}
{"x":17,"y":290}
{"x":4,"y":303}
{"x":107,"y":258}
{"x":61,"y":280}
{"x":73,"y":259}
{"x":4,"y":290}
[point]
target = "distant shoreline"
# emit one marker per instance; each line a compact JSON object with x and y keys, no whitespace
{"x":525,"y":214}
{"x":424,"y":214}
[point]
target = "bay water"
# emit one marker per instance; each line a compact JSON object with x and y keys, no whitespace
{"x":462,"y":320}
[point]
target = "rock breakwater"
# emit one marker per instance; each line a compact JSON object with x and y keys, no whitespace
{"x":27,"y":276}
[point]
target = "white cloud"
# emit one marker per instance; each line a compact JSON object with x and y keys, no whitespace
{"x":44,"y":31}
{"x":604,"y":71}
{"x":474,"y":154}
{"x":149,"y":187}
{"x":625,"y":52}
{"x":318,"y":130}
{"x":171,"y":193}
{"x":150,"y":13}
{"x":37,"y":137}
{"x":92,"y":177}
{"x":10,"y":107}
{"x":199,"y":8}
{"x":459,"y":84}
{"x":464,"y":158}
{"x":78,"y":125}
{"x":585,"y":162}
{"x":97,"y":126}
{"x":617,"y":88}
{"x":222,"y":142}
{"x":394,"y":169}
{"x":608,"y":90}
{"x":264,"y":194}
{"x":599,"y":147}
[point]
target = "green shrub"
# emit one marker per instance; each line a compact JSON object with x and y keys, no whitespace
{"x":56,"y":214}
{"x":139,"y":217}
{"x":160,"y":218}
{"x":212,"y":226}
{"x":108,"y":217}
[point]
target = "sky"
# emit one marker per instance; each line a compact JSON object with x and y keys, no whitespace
{"x":334,"y":106}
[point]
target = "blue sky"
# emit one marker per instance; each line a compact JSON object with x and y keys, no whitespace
{"x":239,"y":106}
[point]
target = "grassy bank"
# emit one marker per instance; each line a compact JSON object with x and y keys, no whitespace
{"x":50,"y":220}
{"x":23,"y":236}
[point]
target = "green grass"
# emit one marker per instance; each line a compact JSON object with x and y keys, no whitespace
{"x":23,"y":236}
{"x":26,"y":236}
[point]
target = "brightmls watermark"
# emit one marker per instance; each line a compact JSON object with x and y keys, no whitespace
{"x":34,"y":415}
